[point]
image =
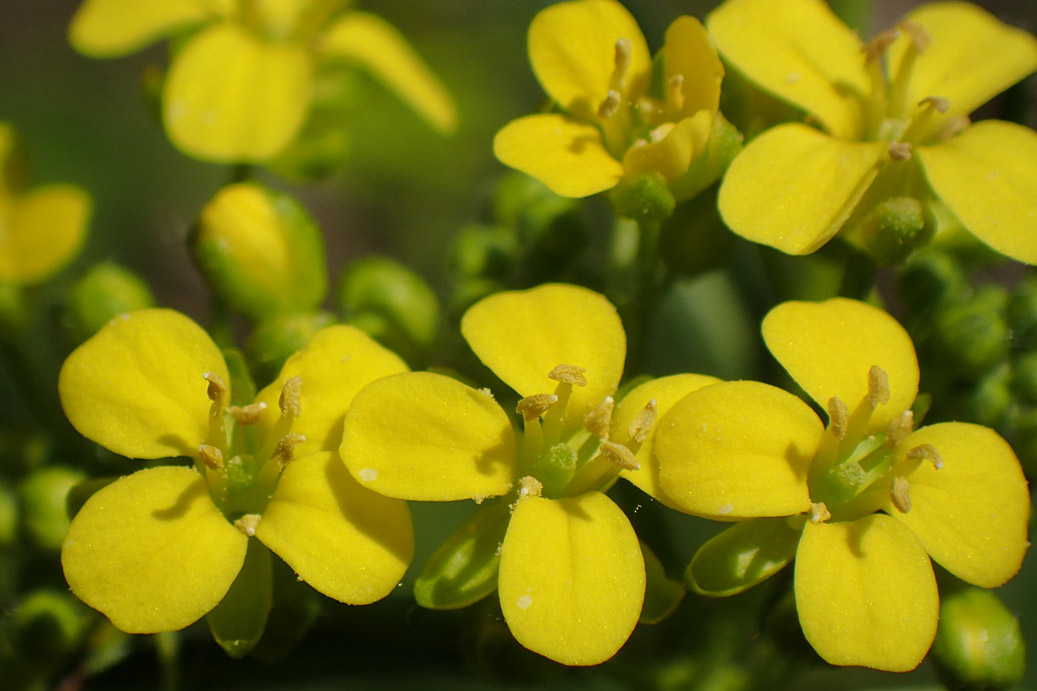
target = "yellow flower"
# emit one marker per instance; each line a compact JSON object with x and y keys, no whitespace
{"x":902,"y":133}
{"x":41,"y":229}
{"x":592,"y":60}
{"x":862,"y":504}
{"x":571,"y":573}
{"x":240,"y":86}
{"x":158,"y":549}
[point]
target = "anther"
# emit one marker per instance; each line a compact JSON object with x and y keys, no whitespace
{"x":290,"y":401}
{"x":568,"y":374}
{"x":875,"y":48}
{"x":642,"y":424}
{"x":675,"y":92}
{"x":619,"y":455}
{"x":529,"y":486}
{"x":532,"y":407}
{"x":900,"y":494}
{"x":899,"y":151}
{"x":926,"y":452}
{"x":878,"y":387}
{"x":211,"y":456}
{"x":286,"y":447}
{"x":819,"y":513}
{"x":937,"y":103}
{"x":900,"y":427}
{"x":248,"y":523}
{"x":919,"y":36}
{"x":247,"y":414}
{"x":217,"y":392}
{"x":610,"y":106}
{"x":838,"y":417}
{"x":598,"y":421}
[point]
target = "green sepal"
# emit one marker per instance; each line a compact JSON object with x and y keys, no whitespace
{"x":662,"y":594}
{"x":239,"y":620}
{"x":295,"y":609}
{"x":894,"y":228}
{"x":107,"y":290}
{"x":463,"y":570}
{"x":646,"y":199}
{"x":742,"y":556}
{"x":725,"y":142}
{"x":979,"y":644}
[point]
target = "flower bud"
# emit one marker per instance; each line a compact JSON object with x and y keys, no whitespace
{"x":275,"y":339}
{"x":991,"y":397}
{"x":896,"y":227}
{"x":44,"y":509}
{"x":1022,"y":313}
{"x":483,"y":251}
{"x":106,"y":291}
{"x":928,"y":279}
{"x":1024,"y":377}
{"x":979,"y":644}
{"x":47,"y":626}
{"x":8,"y":517}
{"x":971,"y":335}
{"x":260,"y":251}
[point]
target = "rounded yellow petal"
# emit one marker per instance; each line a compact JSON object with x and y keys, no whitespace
{"x":428,"y":437}
{"x":866,"y":593}
{"x":138,"y":388}
{"x":987,"y":176}
{"x":565,"y":154}
{"x":738,"y":450}
{"x":689,"y":54}
{"x":829,"y":347}
{"x":376,"y":45}
{"x":801,"y":52}
{"x":523,"y":335}
{"x":42,"y":231}
{"x":793,"y":187}
{"x":337,"y":363}
{"x":230,"y":96}
{"x":572,"y":578}
{"x":110,"y":28}
{"x":972,"y":514}
{"x":346,"y":541}
{"x":665,"y":392}
{"x":572,"y":47}
{"x":151,"y":551}
{"x":971,"y":58}
{"x":672,"y":154}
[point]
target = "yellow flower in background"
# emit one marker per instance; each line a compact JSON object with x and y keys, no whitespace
{"x":240,"y":86}
{"x":158,"y":549}
{"x":861,"y":504}
{"x":592,"y":60}
{"x":41,"y":229}
{"x":571,"y":573}
{"x":879,"y":134}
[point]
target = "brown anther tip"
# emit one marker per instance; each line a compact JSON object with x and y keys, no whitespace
{"x":642,"y":424}
{"x":838,"y":417}
{"x":900,"y":427}
{"x":919,"y":36}
{"x":248,"y":523}
{"x":599,"y":420}
{"x":899,"y":151}
{"x":247,"y":414}
{"x":529,"y":486}
{"x":532,"y":407}
{"x":900,"y":494}
{"x":619,"y":455}
{"x":875,"y":48}
{"x":937,"y":103}
{"x":878,"y":387}
{"x":568,"y":374}
{"x":926,"y":452}
{"x":217,"y":389}
{"x":819,"y":513}
{"x":286,"y":447}
{"x":211,"y":456}
{"x":290,"y":401}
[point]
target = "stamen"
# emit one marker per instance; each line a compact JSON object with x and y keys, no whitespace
{"x":568,"y":374}
{"x":875,"y":48}
{"x":610,"y":106}
{"x":819,"y":513}
{"x":529,"y":486}
{"x":642,"y":424}
{"x":878,"y":387}
{"x":217,"y":393}
{"x":900,"y":494}
{"x":619,"y":455}
{"x":286,"y":447}
{"x":247,"y":414}
{"x":919,"y":36}
{"x":598,"y":421}
{"x":900,"y":428}
{"x":675,"y":92}
{"x":899,"y":151}
{"x":532,"y":407}
{"x":248,"y":523}
{"x":926,"y":452}
{"x":211,"y":456}
{"x":290,"y":401}
{"x":937,"y":103}
{"x":838,"y":417}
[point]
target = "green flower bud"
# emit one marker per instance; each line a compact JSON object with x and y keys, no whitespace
{"x":927,"y":280}
{"x":990,"y":399}
{"x":1024,"y":377}
{"x":318,"y":152}
{"x":482,"y":251}
{"x":470,"y":291}
{"x":1022,"y":313}
{"x":979,"y":644}
{"x":971,"y":336}
{"x":260,"y":251}
{"x":8,"y":517}
{"x":43,"y":495}
{"x":645,"y":199}
{"x":275,"y":339}
{"x":896,"y":227}
{"x":107,"y":290}
{"x":1024,"y":439}
{"x":47,"y":626}
{"x":394,"y":305}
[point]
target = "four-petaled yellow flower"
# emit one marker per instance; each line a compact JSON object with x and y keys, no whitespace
{"x":571,"y":577}
{"x":240,"y":87}
{"x":592,"y":60}
{"x":860,"y":504}
{"x":158,"y":549}
{"x":904,"y":132}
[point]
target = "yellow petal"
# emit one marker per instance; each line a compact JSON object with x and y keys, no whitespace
{"x":866,"y":593}
{"x":972,"y":56}
{"x":232,"y":97}
{"x":523,"y":335}
{"x":987,"y":176}
{"x":378,"y":47}
{"x":337,"y":362}
{"x":151,"y":551}
{"x":673,"y":152}
{"x":971,"y":515}
{"x":428,"y":437}
{"x":346,"y":541}
{"x":829,"y":347}
{"x":665,"y":391}
{"x":690,"y":54}
{"x":565,"y":154}
{"x":44,"y":229}
{"x":799,"y":51}
{"x":109,"y":28}
{"x":738,"y":450}
{"x":572,"y":47}
{"x":137,"y":387}
{"x":572,"y":578}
